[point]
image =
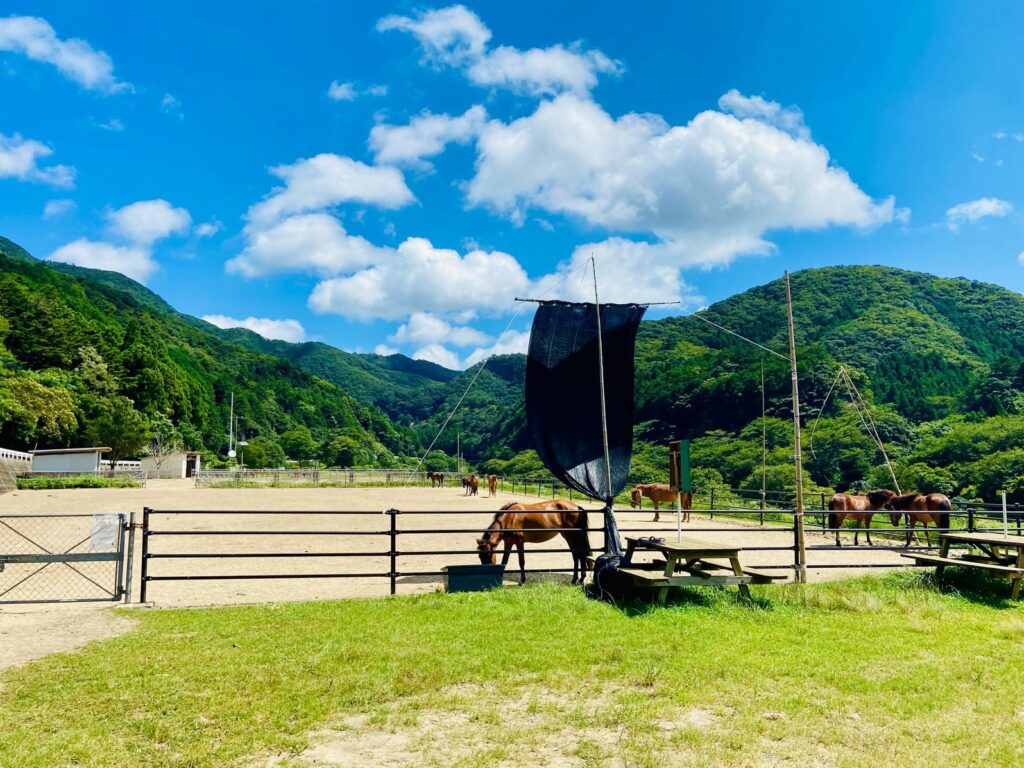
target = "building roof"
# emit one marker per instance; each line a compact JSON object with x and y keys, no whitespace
{"x":52,"y":451}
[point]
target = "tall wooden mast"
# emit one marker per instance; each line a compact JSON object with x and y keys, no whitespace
{"x":798,"y":518}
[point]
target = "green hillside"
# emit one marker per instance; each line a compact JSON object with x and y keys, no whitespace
{"x":89,"y":355}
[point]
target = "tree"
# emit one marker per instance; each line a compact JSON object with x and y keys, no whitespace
{"x":262,"y":452}
{"x":164,"y":441}
{"x":298,"y":443}
{"x":119,"y":427}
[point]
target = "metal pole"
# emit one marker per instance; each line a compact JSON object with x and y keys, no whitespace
{"x":129,"y":559}
{"x":393,"y":573}
{"x":145,"y":555}
{"x":612,"y":545}
{"x":798,"y":518}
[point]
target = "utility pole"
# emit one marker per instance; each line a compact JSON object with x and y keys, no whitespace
{"x":798,"y":519}
{"x":612,"y":545}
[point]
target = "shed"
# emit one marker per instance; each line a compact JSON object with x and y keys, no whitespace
{"x":68,"y":459}
{"x":178,"y":464}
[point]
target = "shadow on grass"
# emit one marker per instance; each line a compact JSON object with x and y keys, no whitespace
{"x":633,"y":602}
{"x":971,"y":584}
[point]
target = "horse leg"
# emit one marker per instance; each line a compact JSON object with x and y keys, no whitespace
{"x":856,"y":533}
{"x":839,"y":524}
{"x":657,"y":512}
{"x":867,"y":529}
{"x":522,"y":561}
{"x":927,"y":536}
{"x":507,"y":553}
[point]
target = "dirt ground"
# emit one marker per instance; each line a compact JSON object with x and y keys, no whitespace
{"x":323,"y":540}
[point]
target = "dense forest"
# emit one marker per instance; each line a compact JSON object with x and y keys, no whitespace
{"x":89,"y":356}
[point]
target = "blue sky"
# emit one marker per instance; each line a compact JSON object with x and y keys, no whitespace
{"x":390,"y":176}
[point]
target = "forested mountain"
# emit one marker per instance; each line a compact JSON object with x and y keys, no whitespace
{"x":91,"y":356}
{"x":938,"y":361}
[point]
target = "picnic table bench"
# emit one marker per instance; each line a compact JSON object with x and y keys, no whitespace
{"x":687,"y":563}
{"x":999,"y":554}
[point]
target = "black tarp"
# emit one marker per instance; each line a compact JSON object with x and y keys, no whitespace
{"x":563,"y":401}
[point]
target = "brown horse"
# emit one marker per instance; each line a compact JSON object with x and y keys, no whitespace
{"x":859,"y":508}
{"x":658,"y":493}
{"x":471,"y":483}
{"x":921,"y":508}
{"x":492,"y":485}
{"x":436,"y":479}
{"x":517,"y":524}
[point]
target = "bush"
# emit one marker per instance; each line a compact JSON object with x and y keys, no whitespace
{"x":44,"y":483}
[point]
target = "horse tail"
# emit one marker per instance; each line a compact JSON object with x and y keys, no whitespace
{"x":833,"y":518}
{"x":584,"y":527}
{"x":945,"y":508}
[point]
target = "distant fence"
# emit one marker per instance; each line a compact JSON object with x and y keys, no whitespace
{"x":19,"y":457}
{"x":138,"y":475}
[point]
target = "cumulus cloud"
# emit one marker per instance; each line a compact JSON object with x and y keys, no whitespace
{"x":147,"y":221}
{"x":439,"y":354}
{"x":341,"y":91}
{"x":34,"y":38}
{"x":511,"y":343}
{"x":417,"y":277}
{"x":456,"y":37}
{"x":208,"y":228}
{"x":975,"y":210}
{"x":139,"y":226}
{"x":311,"y":242}
{"x":713,"y":187}
{"x":425,"y":328}
{"x":133,"y":261}
{"x":171,"y":105}
{"x":55,"y":208}
{"x":788,"y":119}
{"x":285,"y":330}
{"x":19,"y":159}
{"x":327,"y":180}
{"x":384,"y":350}
{"x":426,"y":135}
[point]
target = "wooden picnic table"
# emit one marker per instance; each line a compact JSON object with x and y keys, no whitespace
{"x":1000,"y":554}
{"x":686,"y":564}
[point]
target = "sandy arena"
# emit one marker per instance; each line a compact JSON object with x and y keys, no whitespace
{"x":69,"y":626}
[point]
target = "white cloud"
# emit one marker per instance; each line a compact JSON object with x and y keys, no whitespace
{"x":384,"y":350}
{"x":417,"y":277}
{"x":19,"y":159}
{"x":113,"y":125}
{"x":133,"y":261}
{"x":712,"y":188}
{"x":285,"y":330}
{"x":312,"y":242}
{"x":975,"y":210}
{"x":425,"y":136}
{"x":33,"y":37}
{"x":208,"y":228}
{"x":341,"y":91}
{"x":378,"y":89}
{"x":55,"y":208}
{"x":425,"y":328}
{"x":1020,"y":257}
{"x":436,"y":353}
{"x":511,"y":343}
{"x":456,"y":37}
{"x":542,"y":71}
{"x":451,"y":36}
{"x":327,"y":180}
{"x":147,"y":221}
{"x":788,"y":119}
{"x":171,"y":105}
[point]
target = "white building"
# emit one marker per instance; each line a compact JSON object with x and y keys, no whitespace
{"x":178,"y":464}
{"x":68,"y":460}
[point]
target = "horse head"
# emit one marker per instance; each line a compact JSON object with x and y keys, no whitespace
{"x":485,"y":548}
{"x":635,"y":497}
{"x":881,"y":498}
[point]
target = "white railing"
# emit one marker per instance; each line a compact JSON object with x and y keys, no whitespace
{"x":316,"y":477}
{"x":9,"y":455}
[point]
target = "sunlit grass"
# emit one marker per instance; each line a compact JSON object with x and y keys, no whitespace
{"x":875,"y":671}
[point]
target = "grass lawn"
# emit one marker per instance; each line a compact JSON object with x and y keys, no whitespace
{"x":870,"y":672}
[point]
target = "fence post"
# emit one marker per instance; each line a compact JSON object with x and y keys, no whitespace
{"x":393,"y":554}
{"x":796,"y":548}
{"x":145,"y":555}
{"x":970,"y":520}
{"x":711,"y":504}
{"x":129,"y":558}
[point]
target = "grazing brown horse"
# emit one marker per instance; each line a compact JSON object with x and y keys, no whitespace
{"x":492,"y":485}
{"x":517,"y":524}
{"x":471,"y":483}
{"x":921,"y":508}
{"x":436,"y":479}
{"x":658,"y":493}
{"x":859,"y":508}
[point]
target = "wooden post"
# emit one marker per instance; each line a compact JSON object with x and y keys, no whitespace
{"x":798,"y":524}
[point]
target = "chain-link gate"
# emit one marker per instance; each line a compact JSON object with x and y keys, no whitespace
{"x":64,"y":558}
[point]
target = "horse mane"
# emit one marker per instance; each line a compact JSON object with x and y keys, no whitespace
{"x":904,"y":501}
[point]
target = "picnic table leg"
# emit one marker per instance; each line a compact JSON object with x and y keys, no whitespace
{"x":670,"y":567}
{"x":1015,"y":594}
{"x":943,"y":552}
{"x":738,"y":570}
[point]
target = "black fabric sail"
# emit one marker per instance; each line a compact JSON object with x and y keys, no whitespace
{"x":563,"y":398}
